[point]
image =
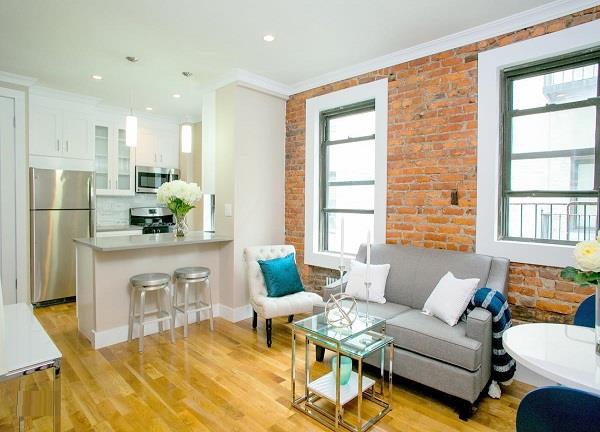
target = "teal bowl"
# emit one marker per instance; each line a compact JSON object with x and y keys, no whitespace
{"x":346,"y":368}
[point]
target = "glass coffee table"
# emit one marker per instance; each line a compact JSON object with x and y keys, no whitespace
{"x":358,"y":341}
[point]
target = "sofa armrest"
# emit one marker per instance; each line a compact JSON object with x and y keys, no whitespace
{"x":479,"y":328}
{"x":479,"y":325}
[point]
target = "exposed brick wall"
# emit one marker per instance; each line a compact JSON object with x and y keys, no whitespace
{"x":432,"y":149}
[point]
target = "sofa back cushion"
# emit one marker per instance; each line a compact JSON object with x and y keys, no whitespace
{"x":415,"y":272}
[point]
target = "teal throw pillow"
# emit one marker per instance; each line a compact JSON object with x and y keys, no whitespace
{"x":281,"y":276}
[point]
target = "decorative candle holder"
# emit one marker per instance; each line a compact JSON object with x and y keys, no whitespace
{"x":342,"y":269}
{"x":367,"y":287}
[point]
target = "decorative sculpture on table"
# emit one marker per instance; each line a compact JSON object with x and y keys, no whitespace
{"x":340,"y":310}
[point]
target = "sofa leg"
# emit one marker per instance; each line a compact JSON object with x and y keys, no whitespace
{"x":290,"y":318}
{"x":465,"y":410}
{"x":254,"y":319}
{"x":320,"y":353}
{"x":269,"y":330}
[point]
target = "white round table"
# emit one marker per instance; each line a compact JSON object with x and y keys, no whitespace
{"x":562,"y":353}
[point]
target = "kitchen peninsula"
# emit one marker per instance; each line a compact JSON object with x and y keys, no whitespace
{"x":105,"y":264}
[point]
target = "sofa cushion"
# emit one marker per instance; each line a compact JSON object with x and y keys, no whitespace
{"x":427,"y":335}
{"x":415,"y":272}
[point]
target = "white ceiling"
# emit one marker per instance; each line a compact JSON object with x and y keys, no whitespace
{"x":63,"y":42}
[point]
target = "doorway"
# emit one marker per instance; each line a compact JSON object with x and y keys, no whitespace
{"x":8,"y":239}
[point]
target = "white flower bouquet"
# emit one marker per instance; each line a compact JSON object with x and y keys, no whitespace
{"x":179,"y":197}
{"x":587,"y":264}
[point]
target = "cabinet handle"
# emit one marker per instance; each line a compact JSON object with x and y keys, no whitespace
{"x":161,"y":157}
{"x":154,"y":157}
{"x":67,"y":142}
{"x":108,"y":183}
{"x":57,"y":145}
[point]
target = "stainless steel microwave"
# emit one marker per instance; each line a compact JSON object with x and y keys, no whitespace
{"x":149,"y":179}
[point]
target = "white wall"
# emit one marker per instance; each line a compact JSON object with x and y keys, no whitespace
{"x":250,"y":168}
{"x":260,"y":178}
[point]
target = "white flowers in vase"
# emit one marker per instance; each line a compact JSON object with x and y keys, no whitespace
{"x":179,"y":197}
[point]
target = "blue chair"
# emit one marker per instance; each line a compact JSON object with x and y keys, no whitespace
{"x":556,"y":408}
{"x":586,"y":313}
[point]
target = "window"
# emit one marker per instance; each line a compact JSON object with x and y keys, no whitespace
{"x":345,"y":171}
{"x":347,"y":175}
{"x":551,"y":147}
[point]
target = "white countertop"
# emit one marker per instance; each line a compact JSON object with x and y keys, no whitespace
{"x":26,"y":343}
{"x":120,"y":243}
{"x":565,"y":354}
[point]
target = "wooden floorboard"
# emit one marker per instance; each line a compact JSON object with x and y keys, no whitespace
{"x":226,"y":380}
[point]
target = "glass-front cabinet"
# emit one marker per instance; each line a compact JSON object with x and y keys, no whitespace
{"x":114,"y":161}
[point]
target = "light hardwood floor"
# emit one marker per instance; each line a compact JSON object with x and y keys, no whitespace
{"x":226,"y":380}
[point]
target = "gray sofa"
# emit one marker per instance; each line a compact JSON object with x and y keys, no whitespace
{"x":455,"y":360}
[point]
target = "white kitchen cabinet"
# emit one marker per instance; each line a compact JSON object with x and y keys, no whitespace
{"x":59,"y":133}
{"x":168,"y":149}
{"x":157,"y":148}
{"x":44,"y":135}
{"x":114,"y":161}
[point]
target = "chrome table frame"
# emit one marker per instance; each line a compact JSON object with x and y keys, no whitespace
{"x":306,"y":403}
{"x":56,"y":389}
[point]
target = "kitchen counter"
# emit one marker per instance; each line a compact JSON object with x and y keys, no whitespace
{"x":104,"y":266}
{"x":121,"y":243}
{"x":112,"y":228}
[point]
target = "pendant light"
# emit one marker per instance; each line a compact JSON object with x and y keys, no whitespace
{"x":131,"y":130}
{"x":186,"y":128}
{"x":131,"y":121}
{"x":186,"y":138}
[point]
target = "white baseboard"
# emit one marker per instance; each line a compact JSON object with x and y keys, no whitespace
{"x":117,"y":335}
{"x":235,"y":314}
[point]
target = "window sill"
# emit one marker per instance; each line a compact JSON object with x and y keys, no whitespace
{"x":327,"y":259}
{"x":545,"y":254}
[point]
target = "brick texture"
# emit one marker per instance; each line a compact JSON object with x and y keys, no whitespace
{"x":432,"y":150}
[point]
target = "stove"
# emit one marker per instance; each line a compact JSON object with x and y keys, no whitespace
{"x":153,"y":220}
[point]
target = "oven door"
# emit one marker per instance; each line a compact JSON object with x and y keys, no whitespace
{"x":149,"y":179}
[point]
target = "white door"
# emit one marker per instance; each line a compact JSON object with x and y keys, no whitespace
{"x":8,"y":249}
{"x":44,"y":132}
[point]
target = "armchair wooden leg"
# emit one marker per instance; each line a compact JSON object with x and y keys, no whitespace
{"x":269,"y":330}
{"x":254,"y":319}
{"x":290,"y":318}
{"x":320,"y":353}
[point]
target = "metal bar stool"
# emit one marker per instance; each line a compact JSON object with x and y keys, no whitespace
{"x":141,"y":284}
{"x":187,"y":276}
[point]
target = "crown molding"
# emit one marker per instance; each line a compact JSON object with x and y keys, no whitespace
{"x":63,"y":95}
{"x":252,"y":81}
{"x":543,"y":13}
{"x":21,"y":80}
{"x":117,"y":111}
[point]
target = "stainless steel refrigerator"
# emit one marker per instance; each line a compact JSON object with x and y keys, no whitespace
{"x":62,"y":208}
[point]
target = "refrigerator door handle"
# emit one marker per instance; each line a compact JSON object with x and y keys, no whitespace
{"x":91,"y":206}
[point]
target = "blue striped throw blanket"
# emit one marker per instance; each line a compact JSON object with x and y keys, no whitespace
{"x":503,"y":365}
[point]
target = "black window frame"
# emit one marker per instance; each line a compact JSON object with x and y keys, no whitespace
{"x":325,"y":118}
{"x":508,"y":76}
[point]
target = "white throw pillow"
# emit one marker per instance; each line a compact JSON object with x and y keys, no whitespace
{"x":450,"y":298}
{"x":356,"y":281}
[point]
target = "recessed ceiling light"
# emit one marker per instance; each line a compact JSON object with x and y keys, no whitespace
{"x":176,"y":95}
{"x":269,"y":38}
{"x":148,"y":108}
{"x":97,"y":77}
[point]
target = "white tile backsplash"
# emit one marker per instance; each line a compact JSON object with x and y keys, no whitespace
{"x":114,"y":210}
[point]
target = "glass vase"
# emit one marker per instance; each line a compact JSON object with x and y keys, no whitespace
{"x":180,"y":229}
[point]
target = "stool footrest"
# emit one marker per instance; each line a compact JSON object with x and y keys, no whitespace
{"x":204,"y":306}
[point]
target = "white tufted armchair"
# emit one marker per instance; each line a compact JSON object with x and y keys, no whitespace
{"x":272,"y":307}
